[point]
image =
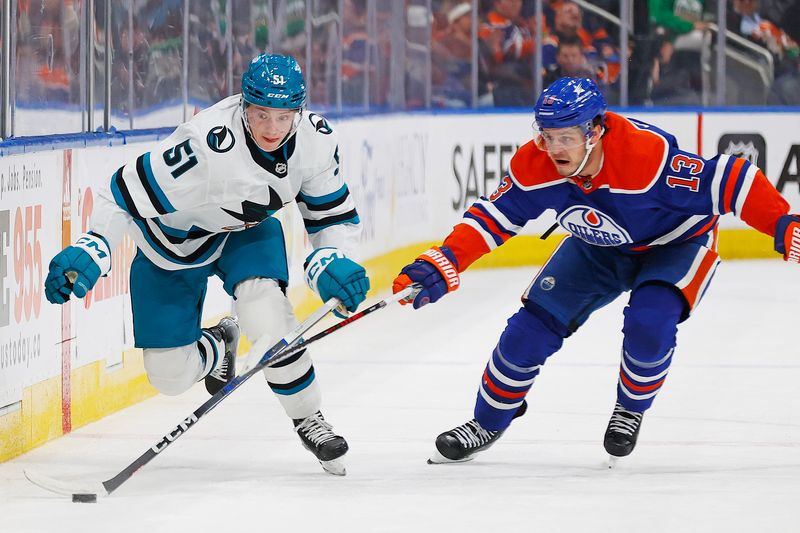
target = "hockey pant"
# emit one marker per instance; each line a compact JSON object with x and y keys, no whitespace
{"x":532,"y":335}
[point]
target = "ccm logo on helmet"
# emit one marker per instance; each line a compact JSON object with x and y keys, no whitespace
{"x":277,"y":95}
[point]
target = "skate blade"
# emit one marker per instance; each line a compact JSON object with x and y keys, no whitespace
{"x":334,"y":467}
{"x":439,"y":459}
{"x":612,"y":461}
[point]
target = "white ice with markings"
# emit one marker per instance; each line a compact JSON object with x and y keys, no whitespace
{"x":719,"y":450}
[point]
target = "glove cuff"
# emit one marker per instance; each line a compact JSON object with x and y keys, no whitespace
{"x":97,"y":247}
{"x":317,"y":261}
{"x":787,"y":238}
{"x":445,"y":262}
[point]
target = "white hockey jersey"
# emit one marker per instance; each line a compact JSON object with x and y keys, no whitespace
{"x":209,"y":178}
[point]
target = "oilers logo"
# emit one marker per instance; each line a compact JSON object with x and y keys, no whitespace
{"x":592,"y":226}
{"x":547,"y":283}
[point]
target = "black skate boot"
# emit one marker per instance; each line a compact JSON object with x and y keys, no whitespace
{"x":463,"y":442}
{"x":318,"y":437}
{"x":623,"y":429}
{"x":224,"y":371}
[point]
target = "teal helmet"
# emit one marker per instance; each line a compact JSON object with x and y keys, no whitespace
{"x":274,"y":81}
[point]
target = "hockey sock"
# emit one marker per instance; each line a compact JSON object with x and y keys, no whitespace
{"x":651,"y":324}
{"x":530,"y":337}
{"x":639,"y":382}
{"x":502,"y":391}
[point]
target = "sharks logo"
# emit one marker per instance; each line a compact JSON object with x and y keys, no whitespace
{"x":254,"y":213}
{"x":320,"y":124}
{"x":220,"y":139}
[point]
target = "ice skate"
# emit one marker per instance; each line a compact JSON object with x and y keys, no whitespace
{"x":318,"y":437}
{"x":623,"y":429}
{"x":461,"y":443}
{"x":225,"y":370}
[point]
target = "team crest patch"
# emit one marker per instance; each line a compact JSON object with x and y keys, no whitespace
{"x":593,"y":226}
{"x":220,"y":139}
{"x":320,"y":124}
{"x":280,"y":168}
{"x":547,"y":283}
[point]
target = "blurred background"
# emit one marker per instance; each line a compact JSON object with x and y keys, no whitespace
{"x":72,"y":66}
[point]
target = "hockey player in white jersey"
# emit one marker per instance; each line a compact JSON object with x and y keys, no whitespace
{"x":200,"y":204}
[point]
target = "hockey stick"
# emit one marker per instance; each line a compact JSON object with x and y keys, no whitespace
{"x":288,"y":352}
{"x":90,"y":491}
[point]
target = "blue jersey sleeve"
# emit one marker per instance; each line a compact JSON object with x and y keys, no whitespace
{"x":714,"y":186}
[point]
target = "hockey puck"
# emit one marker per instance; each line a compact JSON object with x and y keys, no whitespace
{"x":84,"y":498}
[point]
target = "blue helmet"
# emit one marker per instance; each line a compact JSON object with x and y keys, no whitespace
{"x":275,"y":81}
{"x":570,"y":102}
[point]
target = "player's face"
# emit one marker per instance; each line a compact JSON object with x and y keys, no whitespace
{"x":565,"y":146}
{"x":269,"y":126}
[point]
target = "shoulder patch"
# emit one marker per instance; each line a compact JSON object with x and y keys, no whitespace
{"x":220,"y":139}
{"x":531,"y":169}
{"x":320,"y":124}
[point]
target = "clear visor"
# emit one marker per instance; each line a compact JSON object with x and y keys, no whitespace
{"x":558,"y":139}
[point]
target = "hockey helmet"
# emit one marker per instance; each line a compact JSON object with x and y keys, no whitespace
{"x":569,"y":102}
{"x":274,"y":81}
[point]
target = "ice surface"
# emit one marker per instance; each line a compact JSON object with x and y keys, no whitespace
{"x":719,"y":450}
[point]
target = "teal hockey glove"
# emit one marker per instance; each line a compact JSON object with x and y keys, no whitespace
{"x":331,"y":274}
{"x":76,"y":268}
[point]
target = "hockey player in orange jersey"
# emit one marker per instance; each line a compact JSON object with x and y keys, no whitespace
{"x":642,"y":216}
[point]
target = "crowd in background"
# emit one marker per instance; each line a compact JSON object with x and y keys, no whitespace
{"x":351,"y":58}
{"x":664,"y":48}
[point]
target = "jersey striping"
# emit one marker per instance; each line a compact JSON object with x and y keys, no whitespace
{"x":647,"y":193}
{"x":209,"y":178}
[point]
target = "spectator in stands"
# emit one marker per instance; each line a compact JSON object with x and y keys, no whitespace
{"x":451,"y":61}
{"x":745,"y":19}
{"x":570,"y":61}
{"x":568,"y":22}
{"x":677,"y":17}
{"x":676,"y":71}
{"x":748,"y":20}
{"x":509,"y":46}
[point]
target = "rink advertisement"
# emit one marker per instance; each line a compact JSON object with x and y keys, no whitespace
{"x":30,"y":211}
